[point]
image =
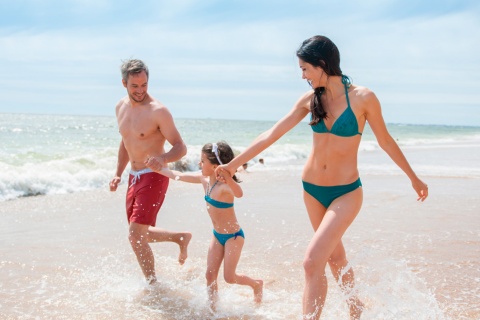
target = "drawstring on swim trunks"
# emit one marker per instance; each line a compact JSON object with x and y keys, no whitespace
{"x":136,"y":175}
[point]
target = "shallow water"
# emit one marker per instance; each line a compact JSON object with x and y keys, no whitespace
{"x":67,"y":259}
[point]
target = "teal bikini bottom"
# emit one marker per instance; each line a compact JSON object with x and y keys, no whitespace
{"x":223,"y":237}
{"x":326,"y":195}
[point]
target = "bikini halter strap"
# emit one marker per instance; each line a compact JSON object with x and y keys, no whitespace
{"x":209,"y":190}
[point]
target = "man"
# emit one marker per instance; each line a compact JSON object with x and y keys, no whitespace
{"x":145,"y":124}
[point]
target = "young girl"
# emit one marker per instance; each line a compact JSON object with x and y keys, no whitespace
{"x":228,"y":237}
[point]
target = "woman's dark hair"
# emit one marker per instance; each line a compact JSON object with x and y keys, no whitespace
{"x":224,"y":151}
{"x":320,"y":51}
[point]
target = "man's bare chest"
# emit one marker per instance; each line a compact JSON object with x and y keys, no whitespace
{"x":138,"y":127}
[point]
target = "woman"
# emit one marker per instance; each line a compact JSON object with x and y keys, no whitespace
{"x":332,"y":187}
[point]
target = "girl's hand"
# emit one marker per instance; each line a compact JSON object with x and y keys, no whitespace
{"x":223,"y":175}
{"x":223,"y":170}
{"x":421,"y":188}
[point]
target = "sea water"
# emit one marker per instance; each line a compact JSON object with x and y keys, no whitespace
{"x":52,"y":154}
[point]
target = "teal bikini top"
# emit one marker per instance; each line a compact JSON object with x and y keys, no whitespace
{"x":215,"y":203}
{"x":346,"y":125}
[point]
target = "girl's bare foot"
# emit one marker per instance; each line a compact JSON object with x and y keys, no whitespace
{"x":184,"y":241}
{"x":356,"y":309}
{"x":258,"y":291}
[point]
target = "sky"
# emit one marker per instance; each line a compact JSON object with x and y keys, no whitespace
{"x":235,"y":59}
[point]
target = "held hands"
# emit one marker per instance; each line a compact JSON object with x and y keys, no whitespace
{"x":421,"y":188}
{"x":222,"y":172}
{"x":156,"y":163}
{"x":114,"y":183}
{"x":223,"y":176}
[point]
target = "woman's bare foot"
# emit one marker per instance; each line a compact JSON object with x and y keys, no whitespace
{"x":258,"y":291}
{"x":212,"y":300}
{"x":184,"y":241}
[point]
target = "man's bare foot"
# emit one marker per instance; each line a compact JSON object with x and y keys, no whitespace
{"x":184,"y":241}
{"x":151,"y":280}
{"x":356,"y":309}
{"x":258,"y":291}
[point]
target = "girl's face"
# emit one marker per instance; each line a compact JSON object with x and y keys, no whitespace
{"x":207,"y":167}
{"x":314,"y":75}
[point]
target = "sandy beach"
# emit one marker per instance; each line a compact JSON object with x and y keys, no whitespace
{"x":67,"y":256}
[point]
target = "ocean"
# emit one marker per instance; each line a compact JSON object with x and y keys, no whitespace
{"x":54,"y":154}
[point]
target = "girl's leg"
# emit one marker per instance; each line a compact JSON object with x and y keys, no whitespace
{"x":233,"y":250}
{"x":330,"y":226}
{"x":214,"y":261}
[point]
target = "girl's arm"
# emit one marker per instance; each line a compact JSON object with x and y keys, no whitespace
{"x":234,"y":186}
{"x":267,"y":138}
{"x":387,"y":143}
{"x":191,"y":177}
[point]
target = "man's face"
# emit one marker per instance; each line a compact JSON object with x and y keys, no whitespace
{"x":137,"y":86}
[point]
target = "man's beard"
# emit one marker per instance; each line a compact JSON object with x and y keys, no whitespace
{"x":134,"y":98}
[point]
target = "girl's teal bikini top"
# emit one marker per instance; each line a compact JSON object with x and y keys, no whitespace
{"x":215,"y":203}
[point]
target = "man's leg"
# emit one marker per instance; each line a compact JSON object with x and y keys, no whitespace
{"x":181,"y":238}
{"x":138,"y":236}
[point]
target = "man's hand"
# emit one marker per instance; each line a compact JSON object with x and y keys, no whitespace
{"x":156,"y":163}
{"x":114,"y":183}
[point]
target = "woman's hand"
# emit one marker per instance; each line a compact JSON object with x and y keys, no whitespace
{"x":223,"y":170}
{"x":421,"y":188}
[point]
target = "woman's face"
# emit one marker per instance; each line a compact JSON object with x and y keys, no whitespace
{"x":314,"y":75}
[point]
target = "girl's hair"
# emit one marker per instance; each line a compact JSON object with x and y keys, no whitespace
{"x":224,"y":152}
{"x":320,"y":51}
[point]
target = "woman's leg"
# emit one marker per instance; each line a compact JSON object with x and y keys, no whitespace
{"x":329,"y":226}
{"x":233,"y":250}
{"x":214,"y":261}
{"x":346,"y":279}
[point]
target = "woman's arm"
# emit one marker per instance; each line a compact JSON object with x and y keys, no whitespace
{"x":234,"y":186}
{"x":387,"y":143}
{"x":267,"y":138}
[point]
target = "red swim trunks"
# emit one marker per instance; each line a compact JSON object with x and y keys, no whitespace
{"x":145,"y":194}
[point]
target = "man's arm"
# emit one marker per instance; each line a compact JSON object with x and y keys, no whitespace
{"x":121,"y":165}
{"x":171,"y":134}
